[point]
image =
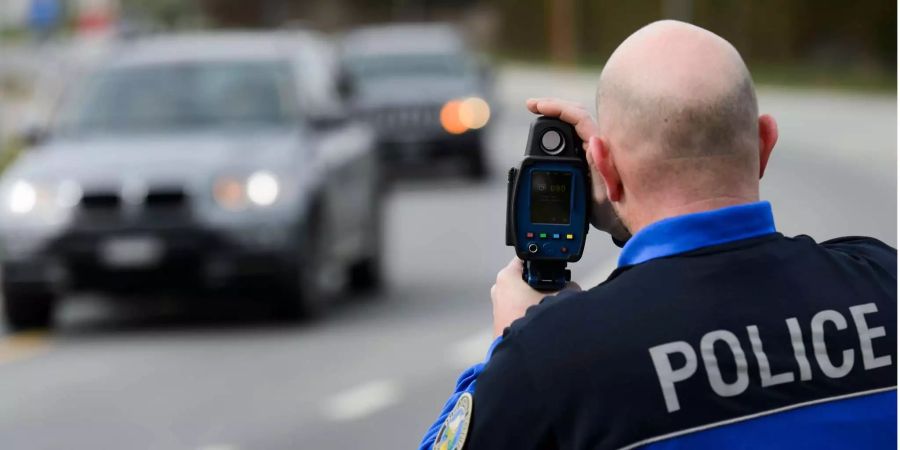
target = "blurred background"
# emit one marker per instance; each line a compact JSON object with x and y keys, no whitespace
{"x":267,"y":225}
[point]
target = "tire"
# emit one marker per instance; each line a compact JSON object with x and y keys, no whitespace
{"x":302,"y":294}
{"x":27,"y":310}
{"x":366,"y":274}
{"x":476,"y":163}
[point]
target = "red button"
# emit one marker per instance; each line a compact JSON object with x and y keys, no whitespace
{"x":529,"y":235}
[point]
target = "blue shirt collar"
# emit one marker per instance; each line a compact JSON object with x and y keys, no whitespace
{"x":692,"y":231}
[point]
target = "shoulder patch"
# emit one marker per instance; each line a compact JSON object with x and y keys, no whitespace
{"x":452,"y":435}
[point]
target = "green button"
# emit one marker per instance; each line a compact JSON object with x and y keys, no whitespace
{"x":543,"y":235}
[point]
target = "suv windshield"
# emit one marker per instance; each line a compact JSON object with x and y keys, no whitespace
{"x":374,"y":68}
{"x":184,"y":96}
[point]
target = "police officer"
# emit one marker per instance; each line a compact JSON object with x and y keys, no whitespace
{"x":715,"y":330}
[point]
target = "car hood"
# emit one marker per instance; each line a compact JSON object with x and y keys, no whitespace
{"x":401,"y":91}
{"x":183,"y":159}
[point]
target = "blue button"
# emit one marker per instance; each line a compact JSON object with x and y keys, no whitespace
{"x":555,"y":235}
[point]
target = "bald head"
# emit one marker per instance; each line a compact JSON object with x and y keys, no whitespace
{"x":680,"y":90}
{"x":679,"y":125}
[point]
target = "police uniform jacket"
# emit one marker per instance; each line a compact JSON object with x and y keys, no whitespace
{"x":715,"y":331}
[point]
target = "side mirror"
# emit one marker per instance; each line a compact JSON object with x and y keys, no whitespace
{"x":337,"y":109}
{"x":346,"y":87}
{"x":33,"y":136}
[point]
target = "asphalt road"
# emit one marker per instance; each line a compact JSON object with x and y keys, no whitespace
{"x":375,"y":372}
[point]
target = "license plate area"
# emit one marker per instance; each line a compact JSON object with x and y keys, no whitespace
{"x":131,"y":252}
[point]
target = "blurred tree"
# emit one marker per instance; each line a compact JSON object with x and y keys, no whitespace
{"x":820,"y":32}
{"x":562,"y":28}
{"x":825,"y":33}
{"x":166,"y":14}
{"x":235,"y":13}
{"x":328,"y":13}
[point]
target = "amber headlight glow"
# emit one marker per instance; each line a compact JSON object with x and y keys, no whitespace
{"x":459,"y":116}
{"x":233,"y":193}
{"x":229,"y":193}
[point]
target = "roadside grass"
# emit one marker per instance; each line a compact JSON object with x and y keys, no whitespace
{"x":12,"y":35}
{"x":8,"y":153}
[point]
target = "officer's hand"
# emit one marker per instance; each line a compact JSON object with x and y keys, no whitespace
{"x":567,"y":111}
{"x":511,"y":295}
{"x":603,"y":215}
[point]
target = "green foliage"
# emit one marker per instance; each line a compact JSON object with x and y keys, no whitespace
{"x":11,"y":35}
{"x":8,"y":154}
{"x":829,"y":34}
{"x":169,"y":14}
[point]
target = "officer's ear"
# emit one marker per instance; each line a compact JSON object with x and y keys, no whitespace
{"x":768,"y":136}
{"x":602,"y":162}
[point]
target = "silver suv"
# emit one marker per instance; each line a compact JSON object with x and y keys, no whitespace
{"x":207,"y":161}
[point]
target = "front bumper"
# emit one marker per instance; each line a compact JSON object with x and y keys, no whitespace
{"x":425,"y":147}
{"x":162,"y":258}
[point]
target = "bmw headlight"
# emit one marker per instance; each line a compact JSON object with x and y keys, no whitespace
{"x":40,"y":202}
{"x":261,"y":188}
{"x":23,"y":197}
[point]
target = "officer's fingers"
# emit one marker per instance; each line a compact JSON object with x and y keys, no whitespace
{"x":494,"y":293}
{"x":548,"y":106}
{"x":552,"y":100}
{"x":582,"y":120}
{"x":503,"y":271}
{"x":570,"y":112}
{"x":566,"y":110}
{"x":510,"y":272}
{"x":544,"y":105}
{"x":587,"y":129}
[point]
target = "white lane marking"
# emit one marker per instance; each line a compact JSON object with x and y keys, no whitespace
{"x":362,"y":400}
{"x":472,"y":349}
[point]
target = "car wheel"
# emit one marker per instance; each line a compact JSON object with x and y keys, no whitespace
{"x":25,"y":310}
{"x":366,"y":275}
{"x":307,"y":289}
{"x":476,"y":168}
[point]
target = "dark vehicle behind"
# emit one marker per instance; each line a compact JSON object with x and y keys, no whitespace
{"x":425,"y":92}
